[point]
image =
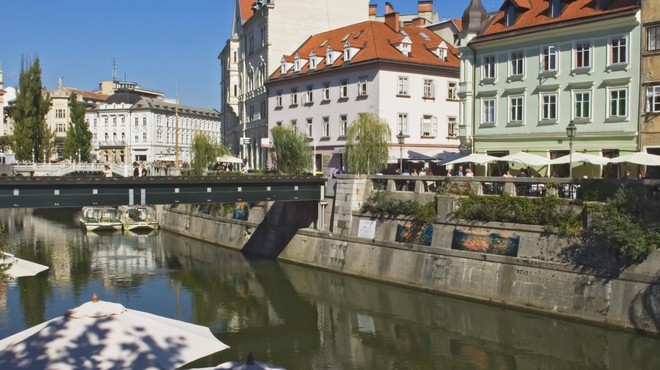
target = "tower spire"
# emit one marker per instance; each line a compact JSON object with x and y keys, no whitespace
{"x":114,"y":69}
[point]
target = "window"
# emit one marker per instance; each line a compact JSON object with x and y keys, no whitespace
{"x":309,"y":97}
{"x":403,"y":123}
{"x":653,"y":99}
{"x":326,"y":92}
{"x":362,"y":86}
{"x":325,"y":128}
{"x":653,"y":38}
{"x":262,"y":33}
{"x":452,"y":127}
{"x":294,"y":125}
{"x":278,"y":99}
{"x":429,"y":126}
{"x":452,"y":91}
{"x":488,"y":68}
{"x":516,"y":104}
{"x":114,"y":120}
{"x":555,"y":8}
{"x":144,"y":121}
{"x":619,"y":50}
{"x":488,"y":111}
{"x":60,"y":127}
{"x":60,"y":113}
{"x":250,"y":44}
{"x":294,"y":96}
{"x":510,"y":15}
{"x":429,"y":89}
{"x":343,"y":125}
{"x":137,"y":121}
{"x":310,"y":128}
{"x":402,"y":86}
{"x":549,"y":59}
{"x":549,"y":107}
{"x":583,"y":55}
{"x":278,"y":123}
{"x":517,"y":64}
{"x":343,"y":89}
{"x":144,"y":137}
{"x":619,"y":102}
{"x":251,"y":112}
{"x":582,"y":104}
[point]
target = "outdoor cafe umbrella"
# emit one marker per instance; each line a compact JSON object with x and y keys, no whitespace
{"x":641,"y":158}
{"x":472,"y":158}
{"x":19,"y":267}
{"x":228,"y":159}
{"x":105,"y":335}
{"x":581,"y":157}
{"x":527,"y":159}
{"x":249,"y":364}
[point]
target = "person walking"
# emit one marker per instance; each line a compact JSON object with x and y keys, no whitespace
{"x":107,"y":172}
{"x":136,"y":170}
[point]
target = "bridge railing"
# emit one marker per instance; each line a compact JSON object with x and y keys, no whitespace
{"x":514,"y":186}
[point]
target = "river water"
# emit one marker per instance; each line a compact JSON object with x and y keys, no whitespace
{"x":288,"y":315}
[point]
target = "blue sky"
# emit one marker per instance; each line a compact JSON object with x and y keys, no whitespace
{"x":163,"y":45}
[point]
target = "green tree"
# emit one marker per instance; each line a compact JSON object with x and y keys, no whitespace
{"x":78,"y":136}
{"x":31,"y":135}
{"x":367,"y":144}
{"x":5,"y":142}
{"x":293,"y":155}
{"x":204,"y":152}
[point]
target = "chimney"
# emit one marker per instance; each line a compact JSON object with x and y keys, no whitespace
{"x":372,"y":10}
{"x":424,"y":6}
{"x":388,"y":8}
{"x":418,"y":22}
{"x":392,"y":21}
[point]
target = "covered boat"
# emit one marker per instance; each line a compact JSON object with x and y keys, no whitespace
{"x":100,"y":219}
{"x":138,"y":218}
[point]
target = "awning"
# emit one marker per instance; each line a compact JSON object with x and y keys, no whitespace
{"x":418,"y":154}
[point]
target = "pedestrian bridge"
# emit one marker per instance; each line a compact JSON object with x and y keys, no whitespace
{"x":53,"y":192}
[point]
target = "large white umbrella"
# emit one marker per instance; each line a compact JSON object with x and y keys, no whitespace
{"x":105,"y":335}
{"x":527,"y":159}
{"x":642,"y":158}
{"x":19,"y":267}
{"x":249,"y":364}
{"x":581,"y":157}
{"x":228,"y":159}
{"x":472,"y":158}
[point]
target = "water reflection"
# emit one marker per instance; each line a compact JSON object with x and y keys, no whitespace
{"x":289,"y":315}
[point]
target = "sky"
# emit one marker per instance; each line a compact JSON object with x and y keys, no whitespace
{"x":169,"y":46}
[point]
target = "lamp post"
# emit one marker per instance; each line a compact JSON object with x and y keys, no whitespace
{"x":45,"y":151}
{"x":402,"y":139}
{"x":78,"y":155}
{"x":571,"y":130}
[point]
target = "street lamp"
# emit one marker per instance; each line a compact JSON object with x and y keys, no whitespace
{"x":402,"y":139}
{"x":78,"y":155}
{"x":45,"y":151}
{"x":571,"y":130}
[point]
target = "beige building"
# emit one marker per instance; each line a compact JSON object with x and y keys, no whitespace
{"x":650,"y":71}
{"x":263,"y":31}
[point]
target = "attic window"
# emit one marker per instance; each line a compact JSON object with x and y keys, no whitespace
{"x":358,"y":34}
{"x":510,"y":15}
{"x":403,"y":32}
{"x":442,"y":53}
{"x":425,"y":36}
{"x":346,"y":37}
{"x":555,"y":8}
{"x":324,"y":42}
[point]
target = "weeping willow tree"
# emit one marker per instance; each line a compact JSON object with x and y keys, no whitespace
{"x":293,"y":155}
{"x":367,"y":144}
{"x":204,"y":152}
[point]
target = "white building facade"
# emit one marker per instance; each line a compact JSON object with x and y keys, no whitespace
{"x":128,"y":127}
{"x":263,"y":31}
{"x":407,"y":76}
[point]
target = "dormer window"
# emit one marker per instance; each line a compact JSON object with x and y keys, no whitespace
{"x":555,"y":8}
{"x":510,"y":15}
{"x":312,"y":63}
{"x":349,"y":51}
{"x":329,"y":56}
{"x":285,"y":65}
{"x":404,"y":45}
{"x":442,"y":51}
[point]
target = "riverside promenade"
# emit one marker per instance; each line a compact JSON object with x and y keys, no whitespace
{"x":549,"y":273}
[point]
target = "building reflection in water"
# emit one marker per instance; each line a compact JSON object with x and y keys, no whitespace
{"x":293,"y":316}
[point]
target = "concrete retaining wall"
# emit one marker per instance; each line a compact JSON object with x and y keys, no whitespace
{"x":544,"y":276}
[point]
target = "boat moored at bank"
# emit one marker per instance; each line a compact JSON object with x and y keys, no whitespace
{"x":100,"y":219}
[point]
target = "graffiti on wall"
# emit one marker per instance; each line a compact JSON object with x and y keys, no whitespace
{"x":414,"y":233}
{"x":241,"y":211}
{"x":505,"y":244}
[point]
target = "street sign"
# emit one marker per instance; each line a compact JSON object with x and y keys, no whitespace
{"x":245,"y":141}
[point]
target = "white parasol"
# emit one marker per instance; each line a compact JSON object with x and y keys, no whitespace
{"x":642,"y":158}
{"x":20,"y":267}
{"x":105,"y":335}
{"x":527,"y":159}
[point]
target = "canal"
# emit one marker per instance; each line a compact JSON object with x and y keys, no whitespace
{"x":288,"y":315}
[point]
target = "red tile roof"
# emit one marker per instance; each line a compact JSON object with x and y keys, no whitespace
{"x":375,"y":41}
{"x":538,"y":13}
{"x":246,"y":9}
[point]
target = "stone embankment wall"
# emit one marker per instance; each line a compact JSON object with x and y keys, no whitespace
{"x":549,"y":274}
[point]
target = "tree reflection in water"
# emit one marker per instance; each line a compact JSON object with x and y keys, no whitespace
{"x":294,"y":316}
